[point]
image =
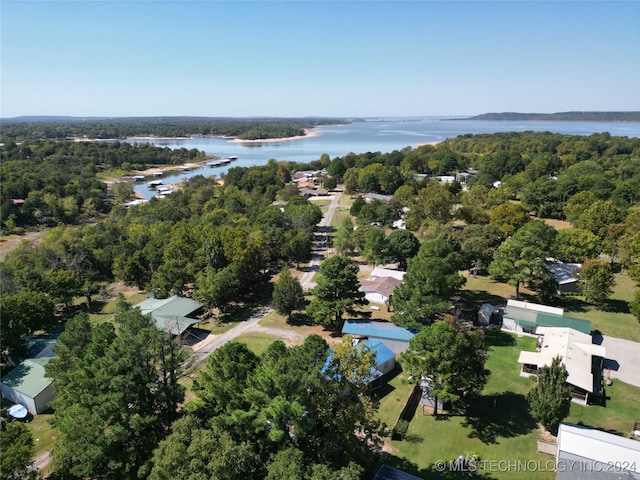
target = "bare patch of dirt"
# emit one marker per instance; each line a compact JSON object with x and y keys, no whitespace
{"x":11,"y":242}
{"x":555,"y":223}
{"x":387,"y":447}
{"x":124,"y":289}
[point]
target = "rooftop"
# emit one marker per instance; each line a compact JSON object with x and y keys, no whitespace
{"x":171,"y":313}
{"x":28,"y":377}
{"x":576,"y":350}
{"x":576,"y":443}
{"x":383,"y":285}
{"x":365,"y":328}
{"x":533,"y":314}
{"x":564,"y":272}
{"x":378,"y":272}
{"x":383,"y":354}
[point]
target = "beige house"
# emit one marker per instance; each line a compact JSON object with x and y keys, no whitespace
{"x":581,"y":358}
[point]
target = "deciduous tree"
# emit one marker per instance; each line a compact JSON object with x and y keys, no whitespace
{"x":287,"y":294}
{"x":596,"y":280}
{"x":575,"y":245}
{"x":634,"y":305}
{"x":452,"y":362}
{"x":403,"y":245}
{"x":520,"y":258}
{"x":508,"y":217}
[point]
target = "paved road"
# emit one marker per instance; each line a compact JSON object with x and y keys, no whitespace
{"x":623,"y":357}
{"x":207,"y":346}
{"x":321,"y":244}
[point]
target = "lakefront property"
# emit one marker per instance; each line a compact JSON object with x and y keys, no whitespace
{"x":239,"y":291}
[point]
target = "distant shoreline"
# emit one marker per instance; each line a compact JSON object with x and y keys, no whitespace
{"x":309,"y":133}
{"x":433,"y":144}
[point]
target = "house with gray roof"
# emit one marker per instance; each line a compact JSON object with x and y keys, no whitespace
{"x":174,"y":314}
{"x":380,"y":289}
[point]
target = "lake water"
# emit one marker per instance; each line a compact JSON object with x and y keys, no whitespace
{"x":376,"y":135}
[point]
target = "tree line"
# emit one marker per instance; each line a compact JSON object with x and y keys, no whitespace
{"x":28,"y":128}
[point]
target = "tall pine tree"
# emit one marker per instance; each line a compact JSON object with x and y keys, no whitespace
{"x":550,"y":400}
{"x":117,"y":394}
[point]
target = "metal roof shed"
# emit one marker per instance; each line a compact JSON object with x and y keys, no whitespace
{"x":171,"y":314}
{"x":586,"y":453}
{"x":27,"y":385}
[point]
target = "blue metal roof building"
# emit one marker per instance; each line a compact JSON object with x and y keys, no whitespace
{"x":391,"y":336}
{"x":385,"y":358}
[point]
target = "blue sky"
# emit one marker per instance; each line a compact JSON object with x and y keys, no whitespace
{"x":308,"y":58}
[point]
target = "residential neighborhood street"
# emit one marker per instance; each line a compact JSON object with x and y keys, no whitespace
{"x":207,"y":346}
{"x":321,"y":244}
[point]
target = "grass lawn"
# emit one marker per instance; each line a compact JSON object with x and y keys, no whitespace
{"x":257,"y":342}
{"x":612,"y":318}
{"x":44,"y":434}
{"x":618,"y":416}
{"x":504,"y":433}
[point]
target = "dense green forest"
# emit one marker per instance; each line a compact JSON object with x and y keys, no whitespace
{"x":562,"y":116}
{"x":60,"y":128}
{"x":45,"y":182}
{"x":229,"y":239}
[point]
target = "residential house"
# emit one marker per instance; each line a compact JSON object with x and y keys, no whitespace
{"x":385,"y":359}
{"x":380,"y":289}
{"x":381,"y":283}
{"x":391,"y":336}
{"x":175,"y":314}
{"x":581,"y":358}
{"x":586,"y":453}
{"x":379,"y":272}
{"x":525,"y":317}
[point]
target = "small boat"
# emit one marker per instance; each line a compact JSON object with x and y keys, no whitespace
{"x":232,"y":158}
{"x":155,"y":183}
{"x":157,"y":174}
{"x":137,"y":178}
{"x":214,"y":164}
